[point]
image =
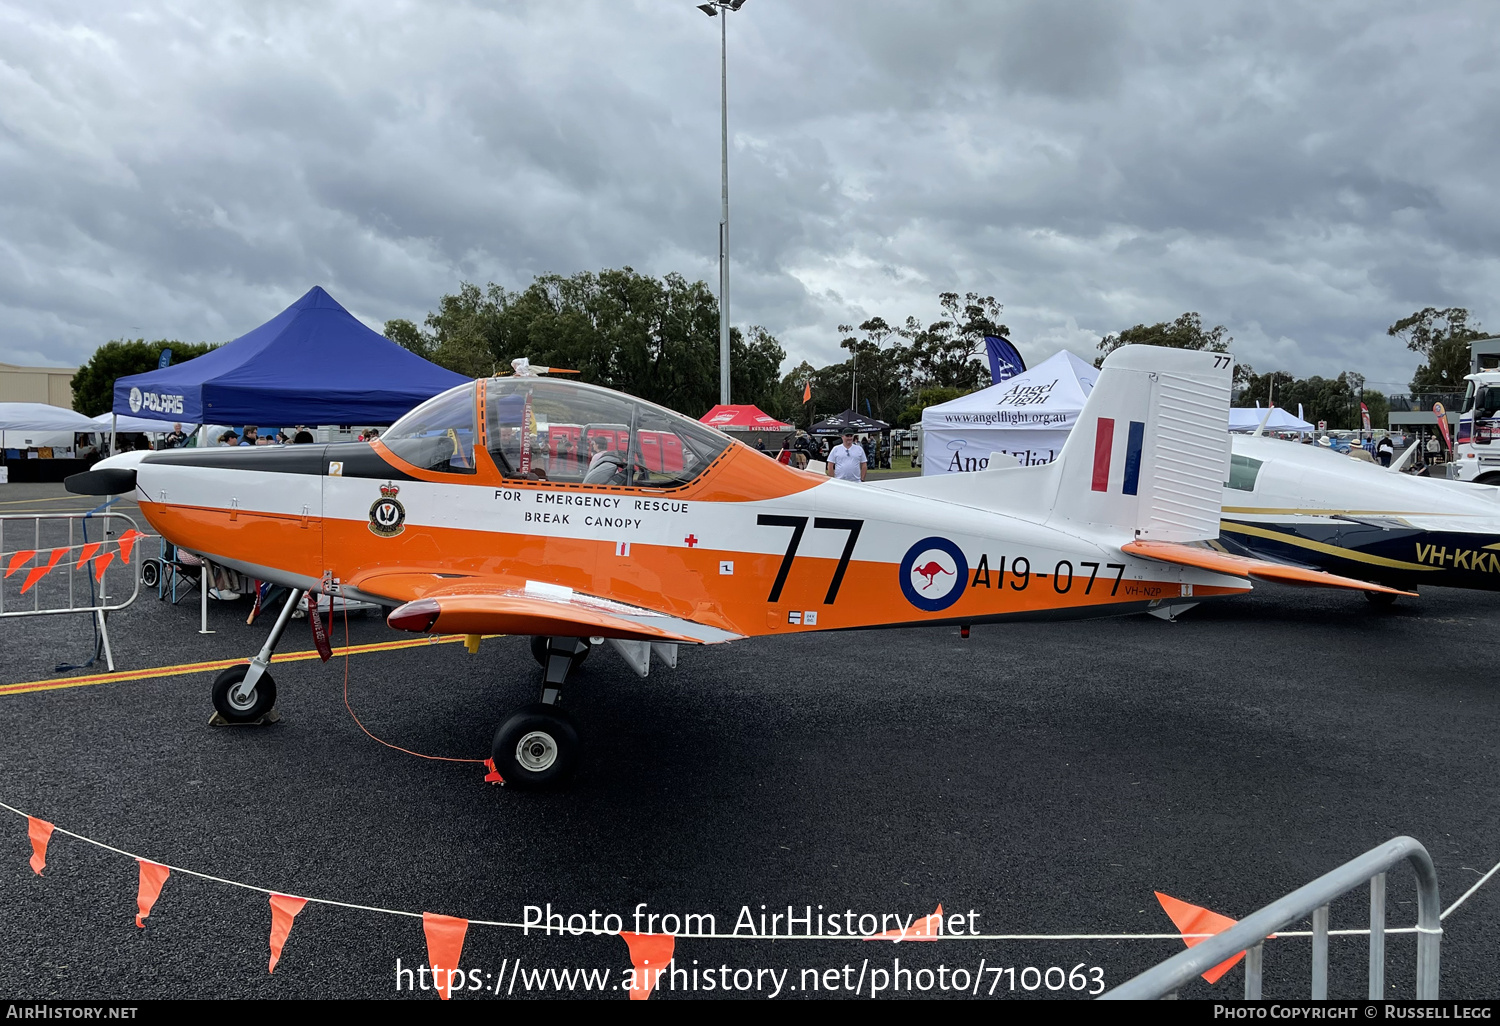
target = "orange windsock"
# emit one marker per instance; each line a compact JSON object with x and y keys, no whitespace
{"x":101,"y":564}
{"x":927,"y":928}
{"x":1195,"y":919}
{"x":87,"y":553}
{"x":38,"y":572}
{"x":153,"y":875}
{"x":40,"y":832}
{"x":649,"y":953}
{"x":445,"y":945}
{"x":19,"y":560}
{"x":127,"y":542}
{"x":284,"y":909}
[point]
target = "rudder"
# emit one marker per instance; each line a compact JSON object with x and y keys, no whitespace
{"x":1150,"y":451}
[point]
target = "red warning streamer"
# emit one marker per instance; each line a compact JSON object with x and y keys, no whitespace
{"x":37,"y":573}
{"x":153,"y":875}
{"x":284,"y":909}
{"x":649,"y":953}
{"x":40,"y":832}
{"x":445,"y":945}
{"x":1196,"y":919}
{"x":19,"y":560}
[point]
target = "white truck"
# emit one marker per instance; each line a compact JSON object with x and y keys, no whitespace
{"x":1476,"y":449}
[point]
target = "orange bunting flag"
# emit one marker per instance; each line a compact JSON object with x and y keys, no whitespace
{"x":284,"y":909}
{"x":40,"y":832}
{"x":1195,"y":919}
{"x":153,"y":875}
{"x":19,"y":560}
{"x":101,"y":564}
{"x":445,"y":944}
{"x":807,"y":390}
{"x":127,"y":543}
{"x":493,"y":776}
{"x":927,"y":928}
{"x":38,"y":572}
{"x":650,"y":953}
{"x":88,"y":553}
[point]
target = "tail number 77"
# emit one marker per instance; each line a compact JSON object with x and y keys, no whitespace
{"x":798,"y":526}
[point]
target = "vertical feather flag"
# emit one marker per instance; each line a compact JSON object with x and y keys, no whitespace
{"x":807,"y":390}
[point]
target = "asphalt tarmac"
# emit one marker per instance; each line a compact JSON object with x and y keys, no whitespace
{"x":1048,"y":777}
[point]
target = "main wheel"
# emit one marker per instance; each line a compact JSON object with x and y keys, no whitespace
{"x":539,"y":651}
{"x":150,"y":572}
{"x":1380,"y":599}
{"x":535,"y":746}
{"x":237,"y":709}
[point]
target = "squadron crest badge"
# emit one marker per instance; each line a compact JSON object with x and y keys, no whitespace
{"x":387,"y":515}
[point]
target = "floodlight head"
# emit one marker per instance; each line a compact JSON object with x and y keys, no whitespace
{"x":709,"y":9}
{"x":735,"y":5}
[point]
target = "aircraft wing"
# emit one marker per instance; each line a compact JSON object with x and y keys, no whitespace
{"x":504,"y":606}
{"x":1242,"y":566}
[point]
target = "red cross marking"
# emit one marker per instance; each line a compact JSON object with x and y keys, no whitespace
{"x":691,"y":541}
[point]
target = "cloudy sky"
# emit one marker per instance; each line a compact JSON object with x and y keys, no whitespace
{"x":1303,"y":173}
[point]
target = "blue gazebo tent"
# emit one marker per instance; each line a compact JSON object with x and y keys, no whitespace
{"x":313,"y":363}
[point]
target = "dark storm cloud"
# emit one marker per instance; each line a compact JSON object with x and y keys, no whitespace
{"x":1304,"y":174}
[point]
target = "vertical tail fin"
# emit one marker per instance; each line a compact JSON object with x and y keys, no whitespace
{"x":1150,"y":451}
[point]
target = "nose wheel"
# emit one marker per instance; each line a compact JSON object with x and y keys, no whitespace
{"x":536,"y":746}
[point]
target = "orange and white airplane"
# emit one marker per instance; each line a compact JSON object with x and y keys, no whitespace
{"x":578,"y":515}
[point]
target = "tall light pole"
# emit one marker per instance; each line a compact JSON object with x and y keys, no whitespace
{"x":716,"y":9}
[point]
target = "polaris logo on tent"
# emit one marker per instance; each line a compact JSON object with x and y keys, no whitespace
{"x":155,"y":402}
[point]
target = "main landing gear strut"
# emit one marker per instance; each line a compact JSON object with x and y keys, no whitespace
{"x":537,"y":745}
{"x":246,"y":693}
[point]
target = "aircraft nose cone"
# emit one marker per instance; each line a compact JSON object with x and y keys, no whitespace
{"x":109,"y":481}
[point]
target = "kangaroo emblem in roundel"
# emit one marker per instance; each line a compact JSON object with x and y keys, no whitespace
{"x":930,"y":571}
{"x":387,"y":515}
{"x":934,"y":574}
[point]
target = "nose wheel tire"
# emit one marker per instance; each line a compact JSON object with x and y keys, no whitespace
{"x":237,"y":708}
{"x":535,"y":746}
{"x":150,"y":573}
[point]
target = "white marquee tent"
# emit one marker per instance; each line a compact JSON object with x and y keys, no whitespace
{"x":1028,"y":416}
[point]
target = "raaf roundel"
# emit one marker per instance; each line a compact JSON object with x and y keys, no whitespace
{"x":578,"y":515}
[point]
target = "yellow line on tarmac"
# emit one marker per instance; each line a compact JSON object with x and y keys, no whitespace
{"x":59,"y":498}
{"x":217,"y":664}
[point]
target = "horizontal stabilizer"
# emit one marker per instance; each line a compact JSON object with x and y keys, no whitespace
{"x":1242,"y":566}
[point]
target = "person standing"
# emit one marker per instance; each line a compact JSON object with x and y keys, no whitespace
{"x":1385,"y":449}
{"x":175,"y":438}
{"x":1433,"y":448}
{"x":847,"y":462}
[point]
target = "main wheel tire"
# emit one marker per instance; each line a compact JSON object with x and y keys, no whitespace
{"x":539,"y":651}
{"x":150,"y":573}
{"x":1380,"y":599}
{"x":535,"y":746}
{"x":243,"y":710}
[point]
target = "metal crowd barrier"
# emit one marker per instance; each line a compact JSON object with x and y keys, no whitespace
{"x":43,"y":546}
{"x":1249,"y":934}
